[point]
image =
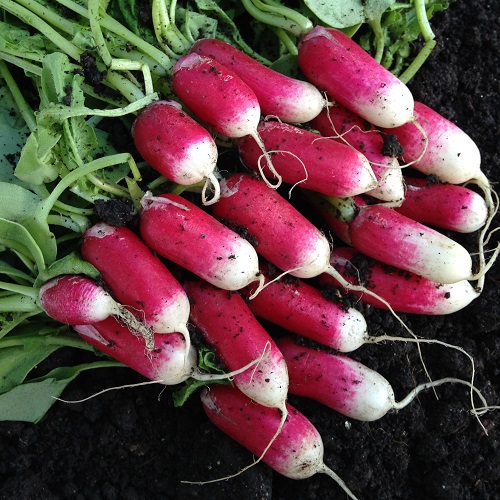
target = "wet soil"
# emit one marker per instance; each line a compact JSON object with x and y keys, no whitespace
{"x":132,"y":444}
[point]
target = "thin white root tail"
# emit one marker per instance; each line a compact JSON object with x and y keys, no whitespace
{"x":284,"y":414}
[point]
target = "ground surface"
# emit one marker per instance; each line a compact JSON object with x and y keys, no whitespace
{"x":132,"y":444}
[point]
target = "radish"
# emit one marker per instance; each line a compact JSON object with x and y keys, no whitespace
{"x":392,"y":238}
{"x":343,"y":384}
{"x":176,"y":146}
{"x":342,"y":125}
{"x":170,"y":361}
{"x":180,"y":231}
{"x":225,"y":322}
{"x":445,"y":151}
{"x":288,"y":99}
{"x":385,"y":235}
{"x":219,"y":97}
{"x":305,"y":158}
{"x":452,"y":156}
{"x":446,"y":206}
{"x":73,"y":299}
{"x":282,"y":234}
{"x":335,"y":63}
{"x":297,"y":451}
{"x":300,"y":308}
{"x":164,"y":363}
{"x":137,"y":277}
{"x":404,"y":291}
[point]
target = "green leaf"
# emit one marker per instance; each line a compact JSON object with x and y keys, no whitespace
{"x":70,"y":264}
{"x":342,"y":14}
{"x":38,"y":164}
{"x":17,"y":361}
{"x":14,"y":235}
{"x":30,"y":401}
{"x":16,"y":202}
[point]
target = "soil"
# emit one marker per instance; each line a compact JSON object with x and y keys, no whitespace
{"x":133,"y":444}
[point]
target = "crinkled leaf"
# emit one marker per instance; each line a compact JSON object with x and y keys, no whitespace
{"x":9,"y":321}
{"x":38,"y":164}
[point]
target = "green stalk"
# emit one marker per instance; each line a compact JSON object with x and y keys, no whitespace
{"x":39,"y":24}
{"x":51,"y":17}
{"x":107,"y":161}
{"x":27,"y":291}
{"x":18,"y":303}
{"x":21,"y":63}
{"x":279,"y":16}
{"x":111,"y":24}
{"x":23,"y":107}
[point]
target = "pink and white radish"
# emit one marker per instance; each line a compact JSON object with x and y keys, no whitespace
{"x":282,"y":234}
{"x":302,"y":309}
{"x":446,"y":206}
{"x":180,"y":231}
{"x":297,"y":451}
{"x":176,"y":146}
{"x":388,"y":236}
{"x":288,"y":99}
{"x":404,"y":291}
{"x":305,"y":158}
{"x":342,"y":125}
{"x":452,"y":156}
{"x":284,"y":237}
{"x":333,"y":62}
{"x":343,"y":384}
{"x":218,"y":96}
{"x":74,"y":299}
{"x":164,"y":363}
{"x":170,"y":361}
{"x":137,"y":277}
{"x":392,"y":238}
{"x":226,"y":323}
{"x":444,"y":150}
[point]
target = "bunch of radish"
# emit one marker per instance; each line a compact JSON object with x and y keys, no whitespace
{"x":247,"y":253}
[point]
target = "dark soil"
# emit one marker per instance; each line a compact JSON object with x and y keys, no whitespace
{"x":132,"y":444}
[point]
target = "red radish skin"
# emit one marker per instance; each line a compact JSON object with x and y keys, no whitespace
{"x":72,"y":299}
{"x":301,"y":156}
{"x":445,"y":150}
{"x":175,"y":145}
{"x":225,"y":322}
{"x":297,"y":452}
{"x":334,"y":63}
{"x":337,"y":381}
{"x":302,"y":309}
{"x":446,"y":206}
{"x":342,"y":125}
{"x":385,"y":235}
{"x":137,"y":277}
{"x":219,"y":97}
{"x":404,"y":291}
{"x":289,"y":99}
{"x":165,"y":363}
{"x":283,"y":235}
{"x":345,"y":385}
{"x":180,"y":231}
{"x":216,"y":95}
